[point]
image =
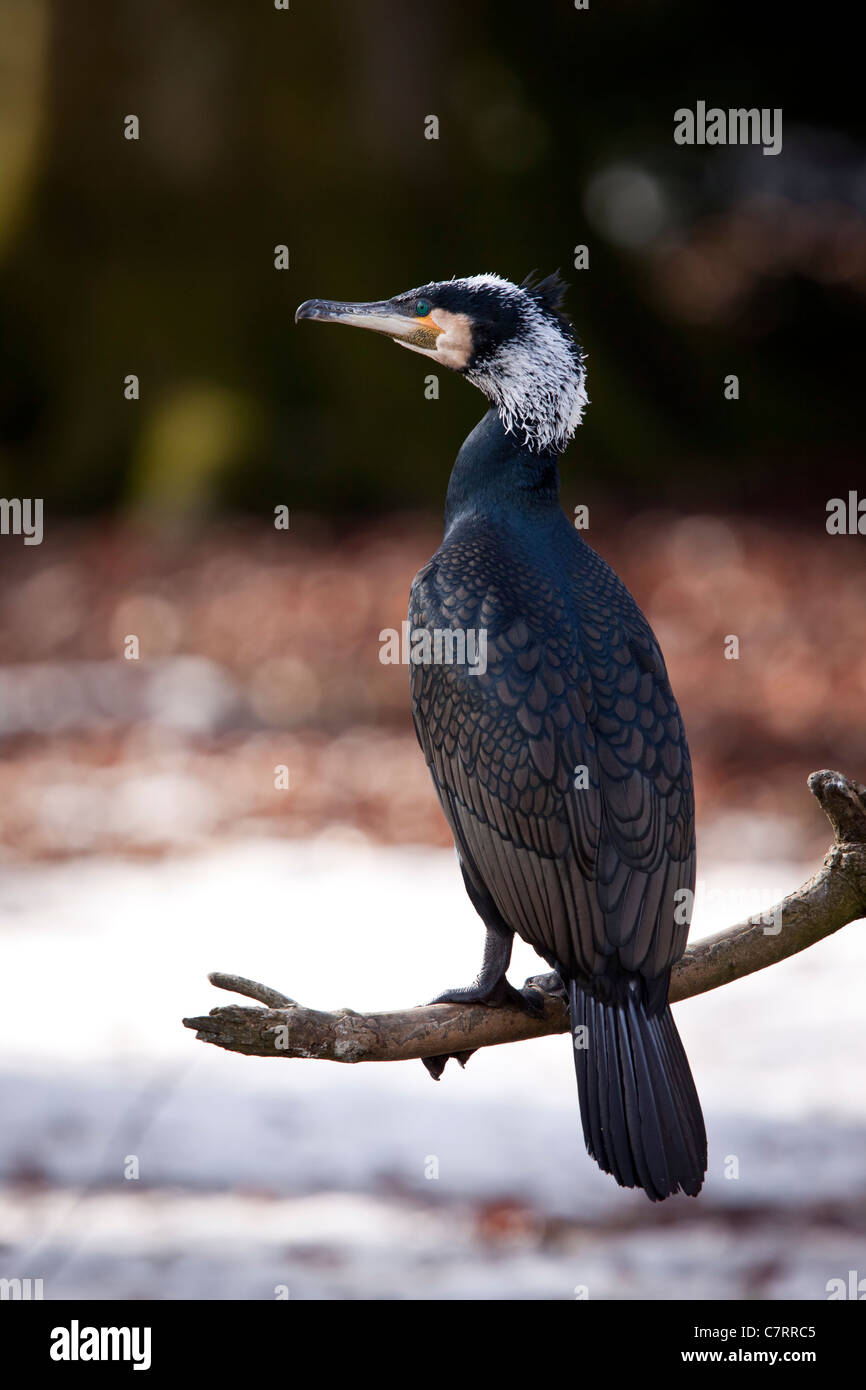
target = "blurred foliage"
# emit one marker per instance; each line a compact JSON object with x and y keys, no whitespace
{"x":261,"y":648}
{"x":305,"y":127}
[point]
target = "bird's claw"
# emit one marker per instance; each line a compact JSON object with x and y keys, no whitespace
{"x":436,"y":1065}
{"x":493,"y":996}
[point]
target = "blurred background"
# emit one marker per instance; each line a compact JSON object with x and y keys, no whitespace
{"x":143,"y":840}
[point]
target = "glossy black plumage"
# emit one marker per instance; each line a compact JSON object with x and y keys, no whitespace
{"x":587,"y":875}
{"x":559,"y":757}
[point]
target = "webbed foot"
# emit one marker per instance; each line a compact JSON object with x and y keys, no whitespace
{"x":493,"y":996}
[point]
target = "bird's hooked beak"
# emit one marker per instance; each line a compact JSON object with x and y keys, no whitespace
{"x":393,"y":318}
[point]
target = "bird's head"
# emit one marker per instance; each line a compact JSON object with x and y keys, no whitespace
{"x":514,"y":342}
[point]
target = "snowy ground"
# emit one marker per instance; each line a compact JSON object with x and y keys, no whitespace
{"x":255,"y":1174}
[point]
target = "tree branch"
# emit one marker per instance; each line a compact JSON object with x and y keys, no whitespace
{"x":835,"y":896}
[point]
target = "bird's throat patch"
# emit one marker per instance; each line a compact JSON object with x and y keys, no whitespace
{"x":454,"y":344}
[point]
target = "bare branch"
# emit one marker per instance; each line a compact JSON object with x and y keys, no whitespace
{"x":835,"y":896}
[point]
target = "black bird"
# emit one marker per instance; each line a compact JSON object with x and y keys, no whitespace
{"x":562,"y":765}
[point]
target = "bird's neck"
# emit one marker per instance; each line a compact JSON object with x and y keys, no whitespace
{"x":494,"y":472}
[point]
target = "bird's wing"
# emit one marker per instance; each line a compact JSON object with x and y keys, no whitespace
{"x":562,"y":768}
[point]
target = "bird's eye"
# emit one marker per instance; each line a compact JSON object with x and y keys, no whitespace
{"x":422,"y":307}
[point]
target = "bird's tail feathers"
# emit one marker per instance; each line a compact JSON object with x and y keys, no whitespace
{"x":641,"y":1115}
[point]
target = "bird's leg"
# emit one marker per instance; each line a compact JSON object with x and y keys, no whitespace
{"x":490,"y":985}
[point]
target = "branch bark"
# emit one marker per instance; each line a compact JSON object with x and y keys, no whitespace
{"x":834,"y":896}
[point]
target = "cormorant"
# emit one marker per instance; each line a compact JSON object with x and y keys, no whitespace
{"x":562,"y":767}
